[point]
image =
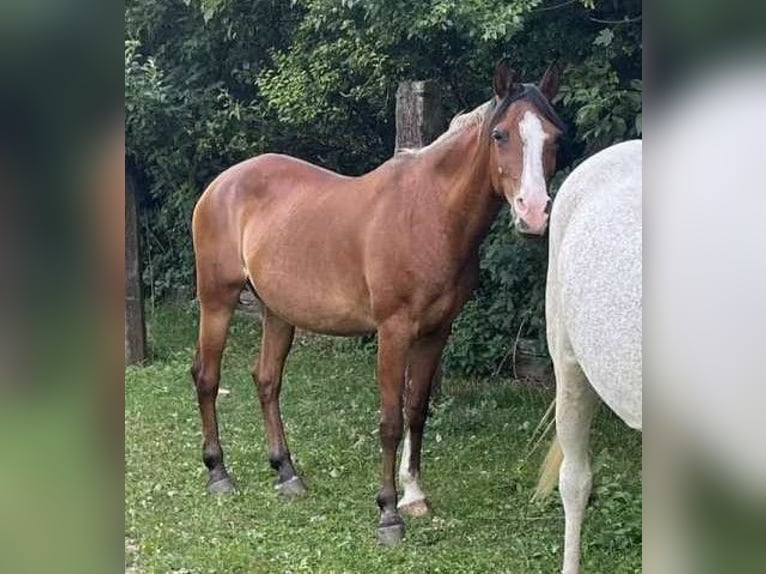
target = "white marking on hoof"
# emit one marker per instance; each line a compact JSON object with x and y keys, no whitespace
{"x":412,"y":493}
{"x":416,"y":508}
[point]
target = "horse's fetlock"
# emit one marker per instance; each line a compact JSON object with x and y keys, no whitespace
{"x":386,"y":499}
{"x":277,"y":460}
{"x":212,"y":456}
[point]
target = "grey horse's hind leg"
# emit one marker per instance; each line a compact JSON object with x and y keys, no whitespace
{"x":575,"y":405}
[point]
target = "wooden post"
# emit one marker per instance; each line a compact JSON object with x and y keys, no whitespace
{"x":418,"y":114}
{"x":419,"y":121}
{"x":135,"y":328}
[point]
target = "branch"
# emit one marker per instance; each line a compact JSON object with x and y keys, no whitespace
{"x":625,"y":20}
{"x":554,"y":7}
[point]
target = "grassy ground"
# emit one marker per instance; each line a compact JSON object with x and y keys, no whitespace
{"x":474,"y":470}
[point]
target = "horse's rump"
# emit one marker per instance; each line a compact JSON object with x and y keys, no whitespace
{"x":594,"y":278}
{"x":293,"y":229}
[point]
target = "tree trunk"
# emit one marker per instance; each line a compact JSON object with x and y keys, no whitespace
{"x":135,"y":328}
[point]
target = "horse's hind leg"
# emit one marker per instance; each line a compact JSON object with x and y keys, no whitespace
{"x":275,"y":345}
{"x":423,"y":367}
{"x":575,"y":404}
{"x":215,"y":313}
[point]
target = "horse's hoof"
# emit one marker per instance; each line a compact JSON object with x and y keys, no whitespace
{"x":291,"y":488}
{"x":221,"y":486}
{"x":415,"y":508}
{"x":390,"y":535}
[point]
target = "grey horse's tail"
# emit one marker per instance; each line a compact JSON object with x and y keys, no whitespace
{"x":549,"y":471}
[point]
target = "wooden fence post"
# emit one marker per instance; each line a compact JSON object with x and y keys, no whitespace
{"x":418,"y":114}
{"x":135,"y":327}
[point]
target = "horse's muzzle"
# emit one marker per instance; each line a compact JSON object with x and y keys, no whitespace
{"x":532,"y":215}
{"x":538,"y":229}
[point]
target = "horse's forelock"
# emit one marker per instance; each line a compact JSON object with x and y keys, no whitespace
{"x":532,"y":94}
{"x":490,"y":112}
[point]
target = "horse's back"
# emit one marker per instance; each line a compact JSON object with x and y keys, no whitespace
{"x":265,"y":177}
{"x":594,"y":282}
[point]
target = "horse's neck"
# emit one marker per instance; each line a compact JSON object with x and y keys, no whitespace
{"x":462,"y":171}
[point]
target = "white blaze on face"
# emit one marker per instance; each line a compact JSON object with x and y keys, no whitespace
{"x":532,"y":177}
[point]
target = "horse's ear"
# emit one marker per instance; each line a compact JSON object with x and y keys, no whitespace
{"x":505,"y":80}
{"x":549,"y":85}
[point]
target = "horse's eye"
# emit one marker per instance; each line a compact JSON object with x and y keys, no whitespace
{"x":497,"y":135}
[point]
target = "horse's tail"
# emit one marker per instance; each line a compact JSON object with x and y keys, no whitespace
{"x":549,"y":471}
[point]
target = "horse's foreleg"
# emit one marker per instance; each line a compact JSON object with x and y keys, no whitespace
{"x":393,"y":347}
{"x":275,"y":345}
{"x":206,"y":372}
{"x":424,"y":364}
{"x":575,"y":404}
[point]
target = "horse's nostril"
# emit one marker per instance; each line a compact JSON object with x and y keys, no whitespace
{"x":520,"y":201}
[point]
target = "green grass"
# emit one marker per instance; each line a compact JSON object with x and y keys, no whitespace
{"x":474,"y":470}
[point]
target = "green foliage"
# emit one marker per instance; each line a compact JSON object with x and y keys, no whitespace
{"x":212,"y":82}
{"x":607,"y":99}
{"x":509,"y":302}
{"x":191,"y":112}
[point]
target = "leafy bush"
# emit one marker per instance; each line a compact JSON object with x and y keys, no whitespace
{"x":510,"y":301}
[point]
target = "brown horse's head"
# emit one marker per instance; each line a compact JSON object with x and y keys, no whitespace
{"x":523,"y":131}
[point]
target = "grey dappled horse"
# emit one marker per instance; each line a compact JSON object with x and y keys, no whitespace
{"x":593,"y":314}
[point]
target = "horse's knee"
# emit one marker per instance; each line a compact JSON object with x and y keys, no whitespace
{"x":391,"y":428}
{"x":416,"y":405}
{"x":196,"y":366}
{"x":267,"y":389}
{"x":205,"y":383}
{"x":416,"y":418}
{"x":575,"y":481}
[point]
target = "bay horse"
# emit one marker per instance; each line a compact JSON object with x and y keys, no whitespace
{"x":593,"y":319}
{"x":393,"y":251}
